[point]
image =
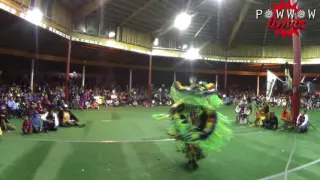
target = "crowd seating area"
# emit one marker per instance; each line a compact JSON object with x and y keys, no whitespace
{"x":310,"y":101}
{"x":19,"y":102}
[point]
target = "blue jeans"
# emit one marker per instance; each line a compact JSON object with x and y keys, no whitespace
{"x":49,"y":126}
{"x":303,"y":129}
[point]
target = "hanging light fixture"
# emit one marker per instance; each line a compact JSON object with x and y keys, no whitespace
{"x":182,"y":21}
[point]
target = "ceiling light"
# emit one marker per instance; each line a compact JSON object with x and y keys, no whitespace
{"x":34,"y":16}
{"x":112,"y":34}
{"x":182,"y":21}
{"x":84,"y":30}
{"x":184,"y":46}
{"x":192,"y":54}
{"x":156,"y":42}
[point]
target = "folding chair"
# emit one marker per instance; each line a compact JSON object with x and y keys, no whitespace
{"x":23,"y":113}
{"x":11,"y":114}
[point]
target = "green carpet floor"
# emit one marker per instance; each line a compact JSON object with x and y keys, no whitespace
{"x":76,"y":153}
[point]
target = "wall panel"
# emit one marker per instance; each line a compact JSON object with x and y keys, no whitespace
{"x":310,"y":52}
{"x":245,"y":51}
{"x":213,"y":49}
{"x":278,"y":51}
{"x":61,"y":16}
{"x":135,"y":37}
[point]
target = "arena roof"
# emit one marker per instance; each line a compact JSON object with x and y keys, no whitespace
{"x":21,"y":38}
{"x":18,"y":34}
{"x":227,"y":22}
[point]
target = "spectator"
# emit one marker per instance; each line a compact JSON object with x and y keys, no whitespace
{"x":4,"y":122}
{"x":286,"y":117}
{"x":39,"y":108}
{"x":302,"y":122}
{"x":50,"y":121}
{"x":26,"y":126}
{"x":67,"y":118}
{"x":272,"y":122}
{"x":36,"y":122}
{"x":12,"y":106}
{"x":60,"y":103}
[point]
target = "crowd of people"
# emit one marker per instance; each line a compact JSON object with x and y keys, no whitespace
{"x":257,"y":114}
{"x":17,"y":101}
{"x":310,"y":101}
{"x":41,"y":111}
{"x":264,"y":118}
{"x":45,"y":109}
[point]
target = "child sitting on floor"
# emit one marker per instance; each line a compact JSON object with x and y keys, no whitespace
{"x":26,"y":126}
{"x":36,"y":122}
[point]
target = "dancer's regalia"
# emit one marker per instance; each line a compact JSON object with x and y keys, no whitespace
{"x":197,"y":124}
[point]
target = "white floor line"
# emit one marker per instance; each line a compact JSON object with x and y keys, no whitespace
{"x":290,"y":158}
{"x":243,"y":134}
{"x":106,"y":120}
{"x":82,"y":141}
{"x":291,"y":170}
{"x":108,"y":141}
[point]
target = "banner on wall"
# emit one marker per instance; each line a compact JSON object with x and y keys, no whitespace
{"x":271,"y":80}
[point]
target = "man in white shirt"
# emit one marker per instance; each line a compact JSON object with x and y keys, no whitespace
{"x":50,"y":121}
{"x":114,"y":98}
{"x":302,"y":122}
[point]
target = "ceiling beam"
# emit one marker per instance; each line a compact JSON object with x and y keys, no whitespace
{"x":204,"y":24}
{"x":265,"y":36}
{"x":266,"y":31}
{"x":46,"y":57}
{"x":137,"y":12}
{"x":236,"y":27}
{"x":146,"y":16}
{"x":88,"y":8}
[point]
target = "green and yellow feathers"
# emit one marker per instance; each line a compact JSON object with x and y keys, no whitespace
{"x":197,"y":99}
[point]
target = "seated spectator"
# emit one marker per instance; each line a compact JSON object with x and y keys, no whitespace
{"x":50,"y":121}
{"x":286,"y":117}
{"x":0,"y":132}
{"x":94,"y":105}
{"x":39,"y":108}
{"x":261,"y":116}
{"x":13,"y":106}
{"x":36,"y":122}
{"x":4,"y":122}
{"x":46,"y":101}
{"x":302,"y":122}
{"x":227,"y":100}
{"x":60,"y":103}
{"x":26,"y":126}
{"x":67,"y":118}
{"x":272,"y":122}
{"x":114,"y":98}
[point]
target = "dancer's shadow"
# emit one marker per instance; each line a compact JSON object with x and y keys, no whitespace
{"x":115,"y":116}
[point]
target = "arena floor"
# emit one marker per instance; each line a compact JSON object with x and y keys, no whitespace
{"x":126,"y":144}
